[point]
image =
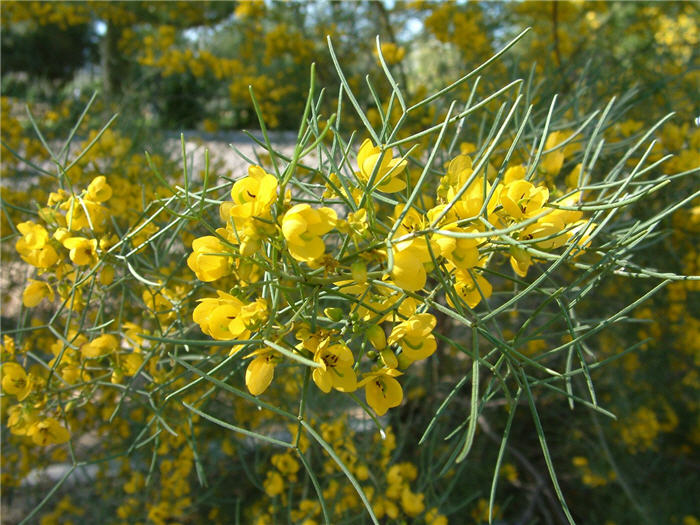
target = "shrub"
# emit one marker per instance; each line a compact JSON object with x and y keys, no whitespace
{"x":344,"y":333}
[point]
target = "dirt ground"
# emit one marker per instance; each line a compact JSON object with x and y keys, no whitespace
{"x":221,"y":151}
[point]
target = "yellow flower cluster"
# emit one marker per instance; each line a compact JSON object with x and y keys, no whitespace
{"x":389,"y":490}
{"x":262,"y":231}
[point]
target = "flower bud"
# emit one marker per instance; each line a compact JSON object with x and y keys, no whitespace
{"x":334,"y":314}
{"x":376,"y":336}
{"x":359,"y":272}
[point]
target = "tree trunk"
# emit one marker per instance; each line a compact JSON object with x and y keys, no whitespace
{"x":113,"y":65}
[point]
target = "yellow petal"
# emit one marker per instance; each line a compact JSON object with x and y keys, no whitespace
{"x":259,"y":374}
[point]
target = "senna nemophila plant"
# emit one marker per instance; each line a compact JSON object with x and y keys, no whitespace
{"x":308,"y":304}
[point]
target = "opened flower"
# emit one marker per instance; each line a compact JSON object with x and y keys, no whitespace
{"x":48,"y":432}
{"x":15,"y":380}
{"x":99,"y":190}
{"x":411,"y":255}
{"x":552,"y":162}
{"x":36,"y":292}
{"x":209,"y":259}
{"x":461,"y":252}
{"x":520,"y":261}
{"x":471,"y":288}
{"x":382,"y":391}
{"x":415,"y":337}
{"x":82,"y":251}
{"x":100,"y":346}
{"x":33,"y":247}
{"x":522,"y":200}
{"x":303,"y":226}
{"x":227,"y":317}
{"x":336,"y":369}
{"x":386,"y":179}
{"x":85,"y":213}
{"x":248,"y":217}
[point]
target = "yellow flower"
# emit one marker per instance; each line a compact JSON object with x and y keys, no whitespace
{"x":584,"y":230}
{"x":411,"y":503}
{"x":7,"y":348}
{"x":57,"y":197}
{"x":465,"y":148}
{"x":258,"y":190}
{"x":99,"y":190}
{"x":82,"y":251}
{"x":260,"y":371}
{"x":255,"y":313}
{"x":391,"y":52}
{"x":357,"y":222}
{"x":382,"y":391}
{"x":520,"y":261}
{"x":33,"y":246}
{"x":248,"y":218}
{"x":387,"y":177}
{"x":411,"y":255}
{"x":521,"y":200}
{"x":408,"y":271}
{"x":226,"y":317}
{"x":415,"y":337}
{"x":273,"y":484}
{"x":131,"y":363}
{"x":433,"y":517}
{"x":48,"y":432}
{"x":134,"y":484}
{"x":459,"y":170}
{"x":572,"y":178}
{"x":15,"y":380}
{"x":462,"y":253}
{"x":303,"y":226}
{"x":466,"y":287}
{"x":20,"y":419}
{"x":209,"y":259}
{"x":286,"y":464}
{"x":107,"y":275}
{"x":70,"y":368}
{"x":159,"y":303}
{"x":383,"y":506}
{"x":514,"y":173}
{"x":84,"y":213}
{"x":34,"y":236}
{"x":480,"y":513}
{"x":549,"y":227}
{"x":336,"y":368}
{"x":35,"y":292}
{"x":552,"y":162}
{"x":100,"y":346}
{"x":509,"y":472}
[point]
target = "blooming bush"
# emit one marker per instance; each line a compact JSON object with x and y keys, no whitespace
{"x":368,"y":329}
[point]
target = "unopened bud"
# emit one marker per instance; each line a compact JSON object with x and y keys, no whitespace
{"x":359,"y":272}
{"x":376,"y":336}
{"x":335,"y":314}
{"x":404,"y":361}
